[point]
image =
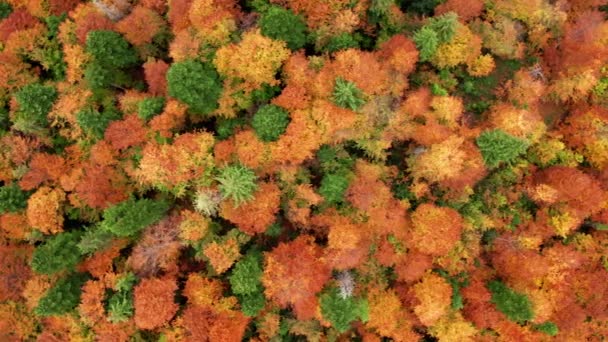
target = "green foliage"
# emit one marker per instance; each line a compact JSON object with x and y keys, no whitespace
{"x":438,"y":90}
{"x":246,"y":275}
{"x":225,"y":127}
{"x":427,"y":42}
{"x":93,"y":240}
{"x":333,"y":187}
{"x":425,"y":7}
{"x":282,"y":24}
{"x":341,"y":311}
{"x":457,"y":282}
{"x":99,"y":77}
{"x":515,"y":306}
{"x":150,"y":107}
{"x":128,"y":218}
{"x":497,"y":147}
{"x":334,"y":159}
{"x":342,"y":41}
{"x":444,"y":26}
{"x":238,"y":183}
{"x":12,"y":198}
{"x":35,"y":102}
{"x":5,"y":9}
{"x":110,"y":49}
{"x":347,"y":95}
{"x":58,"y":253}
{"x":63,"y":297}
{"x":195,"y":84}
{"x":548,"y":328}
{"x":94,"y":123}
{"x":269,"y":122}
{"x":120,"y":304}
{"x":252,"y":304}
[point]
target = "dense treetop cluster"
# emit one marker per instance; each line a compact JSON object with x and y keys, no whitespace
{"x":290,"y":170}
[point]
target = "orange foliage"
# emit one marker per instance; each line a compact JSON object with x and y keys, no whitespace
{"x":45,"y":210}
{"x":299,"y":142}
{"x":222,"y":255}
{"x":178,"y":14}
{"x":362,"y":68}
{"x":205,"y":292}
{"x":43,"y":167}
{"x":435,"y":229}
{"x":193,"y":227}
{"x":250,"y":150}
{"x":388,"y":317}
{"x":214,"y":19}
{"x":583,"y":131}
{"x":125,"y":133}
{"x":206,"y":324}
{"x":435,"y":297}
{"x":520,"y":123}
{"x":159,"y":6}
{"x":171,"y":119}
{"x":20,"y":19}
{"x":88,"y":19}
{"x":293,"y":97}
{"x":414,"y":266}
{"x":294,"y":273}
{"x":141,"y":25}
{"x":158,"y":249}
{"x":153,"y":301}
{"x":15,"y":270}
{"x":466,"y":9}
{"x":17,"y":323}
{"x":14,"y":225}
{"x":101,"y":186}
{"x":91,"y":302}
{"x":347,"y":243}
{"x":400,"y":52}
{"x":299,"y":206}
{"x":101,"y":264}
{"x":169,"y":166}
{"x":254,"y":216}
{"x":155,"y":72}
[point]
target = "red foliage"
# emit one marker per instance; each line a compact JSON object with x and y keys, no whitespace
{"x":207,"y":324}
{"x":294,"y":273}
{"x":15,"y":270}
{"x":126,"y":133}
{"x":400,"y":52}
{"x":154,"y":303}
{"x":255,"y":216}
{"x":91,"y":21}
{"x":43,"y":167}
{"x":101,"y":186}
{"x":141,"y":25}
{"x":466,"y":9}
{"x":20,"y":19}
{"x":155,"y":72}
{"x":414,"y":266}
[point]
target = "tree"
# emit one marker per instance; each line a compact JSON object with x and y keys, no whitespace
{"x":498,"y":147}
{"x":44,"y":210}
{"x":237,"y":183}
{"x":110,"y":49}
{"x":436,"y":230}
{"x":63,"y":297}
{"x":514,"y":305}
{"x":141,"y":25}
{"x":281,"y":24}
{"x":435,"y":297}
{"x":59,"y":253}
{"x":269,"y":122}
{"x":294,"y":273}
{"x":150,"y":107}
{"x":347,"y":95}
{"x":34,"y":103}
{"x":131,"y":216}
{"x":342,"y":311}
{"x":12,"y":198}
{"x":154,"y":302}
{"x":195,"y":84}
{"x":257,"y":214}
{"x":158,"y":249}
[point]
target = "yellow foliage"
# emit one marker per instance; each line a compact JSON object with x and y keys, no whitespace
{"x":255,"y":59}
{"x":464,"y":47}
{"x":441,"y":161}
{"x":435,"y":296}
{"x":447,"y":110}
{"x":481,"y":66}
{"x":453,"y":328}
{"x":44,"y":210}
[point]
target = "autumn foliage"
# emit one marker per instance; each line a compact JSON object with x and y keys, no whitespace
{"x":286,"y":170}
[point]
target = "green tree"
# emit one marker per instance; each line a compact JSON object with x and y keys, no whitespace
{"x":333,"y":187}
{"x":498,"y":147}
{"x":347,"y":95}
{"x":58,"y":253}
{"x":150,"y":107}
{"x":128,"y":218}
{"x":195,"y":84}
{"x":282,"y":24}
{"x":238,"y":183}
{"x":63,"y":297}
{"x":269,"y":122}
{"x":110,"y":49}
{"x":35,"y":102}
{"x":342,"y":311}
{"x":12,"y":198}
{"x":514,"y":305}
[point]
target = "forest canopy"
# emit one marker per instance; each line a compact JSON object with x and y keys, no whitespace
{"x":303,"y":170}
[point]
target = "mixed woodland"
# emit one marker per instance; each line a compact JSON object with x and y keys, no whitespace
{"x":303,"y":170}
